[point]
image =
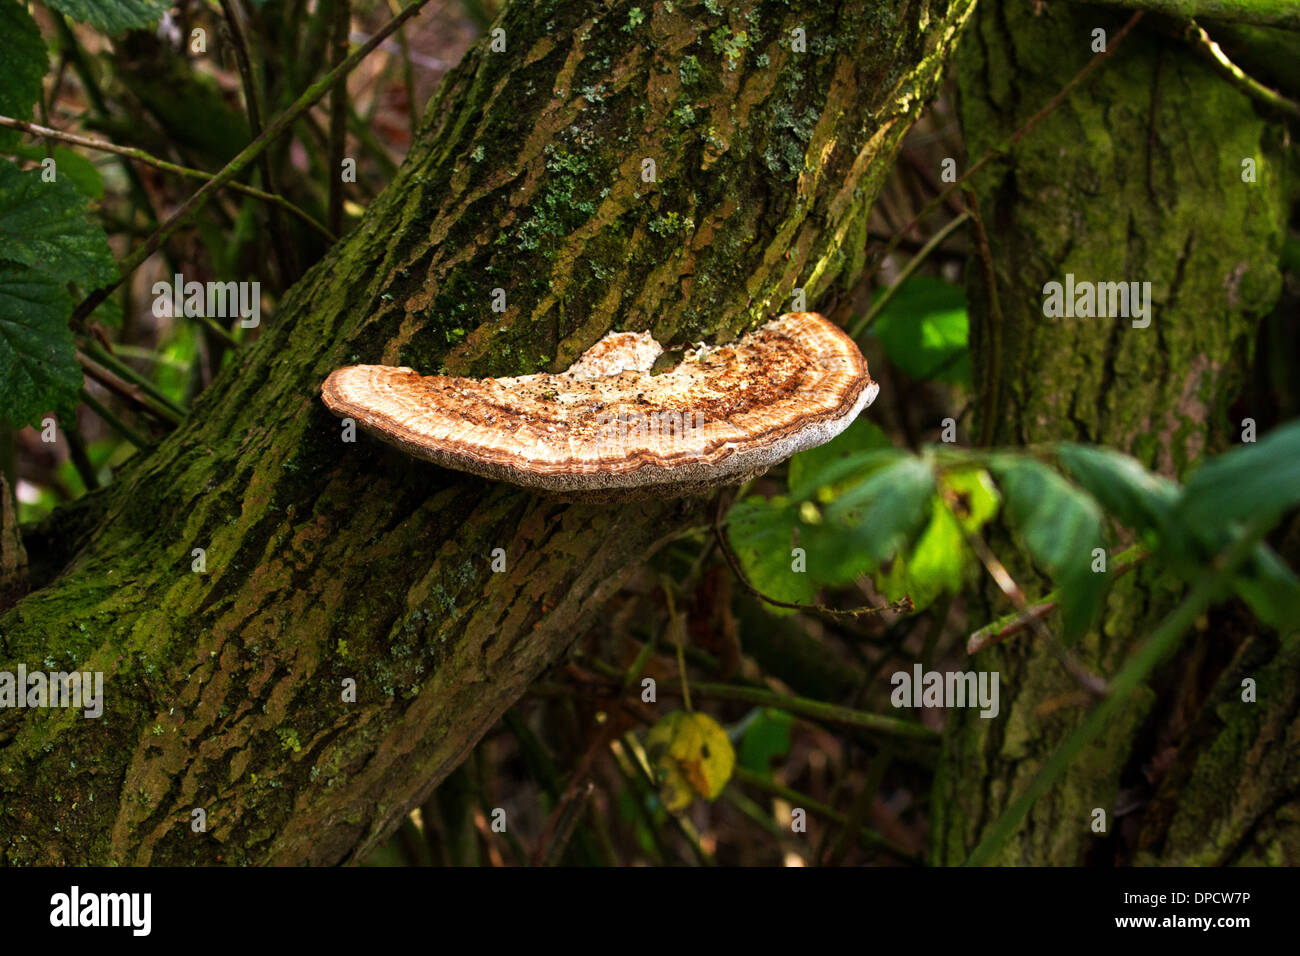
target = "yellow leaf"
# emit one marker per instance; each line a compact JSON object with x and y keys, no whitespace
{"x":692,"y":757}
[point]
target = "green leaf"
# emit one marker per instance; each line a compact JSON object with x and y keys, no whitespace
{"x":81,"y":172}
{"x":23,"y":63}
{"x":38,"y":363}
{"x":1271,"y":589}
{"x":1259,"y":479}
{"x":807,"y":466}
{"x":113,"y":16}
{"x":851,"y":468}
{"x":44,"y":225}
{"x":976,"y":498}
{"x":1138,"y":498}
{"x":925,"y":331}
{"x":886,"y":508}
{"x":761,"y":532}
{"x":1060,"y":526}
{"x":767,"y":738}
{"x":939,"y":561}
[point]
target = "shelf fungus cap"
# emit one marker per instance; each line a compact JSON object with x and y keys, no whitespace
{"x":608,"y":429}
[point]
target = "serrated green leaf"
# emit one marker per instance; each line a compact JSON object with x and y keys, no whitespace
{"x":38,"y":363}
{"x":807,"y":467}
{"x":1061,"y":527}
{"x":974,"y":495}
{"x":855,"y":465}
{"x":23,"y":63}
{"x":1257,"y":480}
{"x":1137,"y":497}
{"x":886,"y":508}
{"x":761,"y":533}
{"x":937,"y":563}
{"x":113,"y":16}
{"x":44,"y":226}
{"x":81,"y":172}
{"x":925,"y":331}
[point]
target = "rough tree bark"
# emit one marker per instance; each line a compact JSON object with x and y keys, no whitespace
{"x":1138,"y":176}
{"x":327,"y":560}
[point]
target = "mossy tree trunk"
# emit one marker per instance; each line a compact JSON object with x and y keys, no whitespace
{"x":1138,"y":176}
{"x":328,"y":561}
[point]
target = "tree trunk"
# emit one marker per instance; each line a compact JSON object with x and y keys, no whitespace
{"x":328,"y":561}
{"x":1137,"y":176}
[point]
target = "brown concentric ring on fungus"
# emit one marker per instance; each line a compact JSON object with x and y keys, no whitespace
{"x":607,"y":429}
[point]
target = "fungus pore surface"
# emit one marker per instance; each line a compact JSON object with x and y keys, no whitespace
{"x":607,"y":429}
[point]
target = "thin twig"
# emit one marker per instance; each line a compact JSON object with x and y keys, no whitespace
{"x":342,"y":18}
{"x":130,"y":392}
{"x":1007,"y":584}
{"x":812,"y":709}
{"x":993,"y":374}
{"x":121,"y":427}
{"x":131,"y":152}
{"x":104,"y":356}
{"x":997,"y":631}
{"x":559,"y":827}
{"x":913,"y":264}
{"x":284,"y":249}
{"x":674,"y":628}
{"x":280,"y":124}
{"x":1203,"y":44}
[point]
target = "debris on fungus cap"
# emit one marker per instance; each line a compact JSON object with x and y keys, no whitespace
{"x":607,"y":429}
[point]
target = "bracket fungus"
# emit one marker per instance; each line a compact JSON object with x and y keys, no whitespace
{"x":609,"y":429}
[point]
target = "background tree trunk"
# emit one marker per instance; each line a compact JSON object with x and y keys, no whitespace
{"x":328,"y":561}
{"x":1137,"y":176}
